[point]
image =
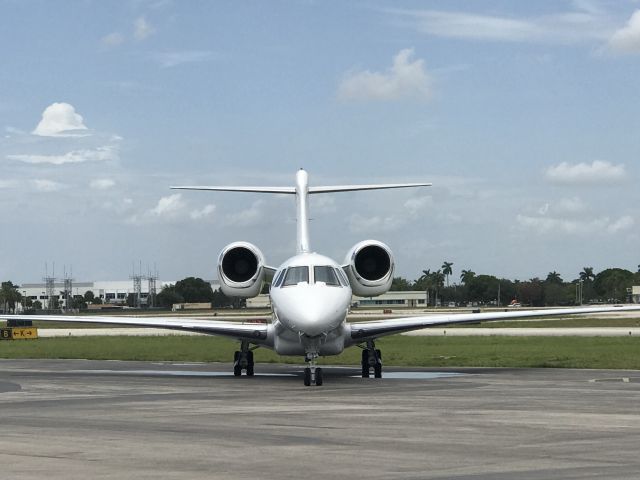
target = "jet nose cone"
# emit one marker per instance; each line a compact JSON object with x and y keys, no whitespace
{"x":313,"y":314}
{"x":313,"y":322}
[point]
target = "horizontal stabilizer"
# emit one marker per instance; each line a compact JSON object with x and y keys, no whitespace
{"x":354,"y":188}
{"x":292,"y":190}
{"x":289,"y":190}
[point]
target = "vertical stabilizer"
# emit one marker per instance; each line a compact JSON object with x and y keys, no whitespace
{"x":302,"y":210}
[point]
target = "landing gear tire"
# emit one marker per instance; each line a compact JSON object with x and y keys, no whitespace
{"x":371,"y":358}
{"x":377,"y":368}
{"x":318,"y":377}
{"x":237,"y":369}
{"x":365,"y":363}
{"x":249,"y":363}
{"x":243,"y":360}
{"x":307,"y":377}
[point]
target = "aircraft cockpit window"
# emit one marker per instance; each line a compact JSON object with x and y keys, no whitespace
{"x":342,"y":277}
{"x":296,"y":275}
{"x":327,"y":275}
{"x":278,"y":280}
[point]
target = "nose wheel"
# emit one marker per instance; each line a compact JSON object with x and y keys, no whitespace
{"x":371,"y":359}
{"x":312,"y":374}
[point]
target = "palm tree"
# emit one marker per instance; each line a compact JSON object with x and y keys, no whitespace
{"x":437,"y":280}
{"x":587,"y":274}
{"x":9,"y":296}
{"x":424,"y":278}
{"x":446,"y":269}
{"x":466,"y":275}
{"x":425,"y":281}
{"x":554,"y":277}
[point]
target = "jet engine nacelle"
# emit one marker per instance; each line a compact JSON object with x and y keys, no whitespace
{"x":241,"y":270}
{"x":370,"y":268}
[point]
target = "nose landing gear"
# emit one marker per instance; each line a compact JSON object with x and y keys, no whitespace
{"x":312,"y":374}
{"x":371,"y":358}
{"x":243,"y":360}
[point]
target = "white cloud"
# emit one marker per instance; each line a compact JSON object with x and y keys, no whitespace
{"x":550,"y":225}
{"x":469,"y":25}
{"x":172,"y":59}
{"x":584,"y":173}
{"x":415,"y":205}
{"x":101,"y":183}
{"x":570,"y":205}
{"x":583,"y":23}
{"x":168,"y":206}
{"x":99,"y":154}
{"x":60,"y":120}
{"x":622,"y":224}
{"x":168,"y":209}
{"x":13,"y":131}
{"x":564,"y":206}
{"x":8,"y":183}
{"x":627,"y":38}
{"x":544,"y":209}
{"x":250,"y":217}
{"x":404,"y":79}
{"x":413,"y":208}
{"x":205,"y":212}
{"x":324,"y":204}
{"x":142,"y":29}
{"x":43,"y":185}
{"x":112,"y":39}
{"x":377,"y":223}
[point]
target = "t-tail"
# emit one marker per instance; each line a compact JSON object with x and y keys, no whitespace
{"x":302,"y":190}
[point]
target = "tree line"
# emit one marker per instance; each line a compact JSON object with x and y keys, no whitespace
{"x":608,"y":286}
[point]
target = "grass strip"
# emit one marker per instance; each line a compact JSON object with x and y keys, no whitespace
{"x":532,"y":352}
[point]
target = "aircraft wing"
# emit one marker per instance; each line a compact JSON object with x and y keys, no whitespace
{"x":241,"y":331}
{"x":368,"y":330}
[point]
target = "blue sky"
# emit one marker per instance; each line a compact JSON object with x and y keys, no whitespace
{"x":524,"y":115}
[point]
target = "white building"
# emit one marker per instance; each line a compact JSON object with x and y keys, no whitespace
{"x":110,"y":291}
{"x":635,"y":294}
{"x":409,"y":299}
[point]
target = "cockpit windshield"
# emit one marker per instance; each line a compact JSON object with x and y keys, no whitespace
{"x":278,"y":279}
{"x":325,"y":274}
{"x":296,"y":275}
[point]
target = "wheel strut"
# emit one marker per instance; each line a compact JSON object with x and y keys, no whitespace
{"x":243,"y":360}
{"x":371,"y":358}
{"x":312,"y":374}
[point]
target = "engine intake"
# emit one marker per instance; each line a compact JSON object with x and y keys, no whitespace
{"x":241,"y":270}
{"x":370,"y":268}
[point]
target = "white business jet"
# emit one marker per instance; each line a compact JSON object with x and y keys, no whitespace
{"x":311,"y":296}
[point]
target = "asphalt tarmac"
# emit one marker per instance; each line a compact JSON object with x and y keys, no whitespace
{"x":77,"y":419}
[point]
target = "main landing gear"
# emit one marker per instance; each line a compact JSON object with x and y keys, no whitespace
{"x":371,"y":358}
{"x":312,"y":374}
{"x":243,"y":360}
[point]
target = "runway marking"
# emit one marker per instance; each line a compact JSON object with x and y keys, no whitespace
{"x":176,"y":373}
{"x":417,"y":375}
{"x":621,"y":379}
